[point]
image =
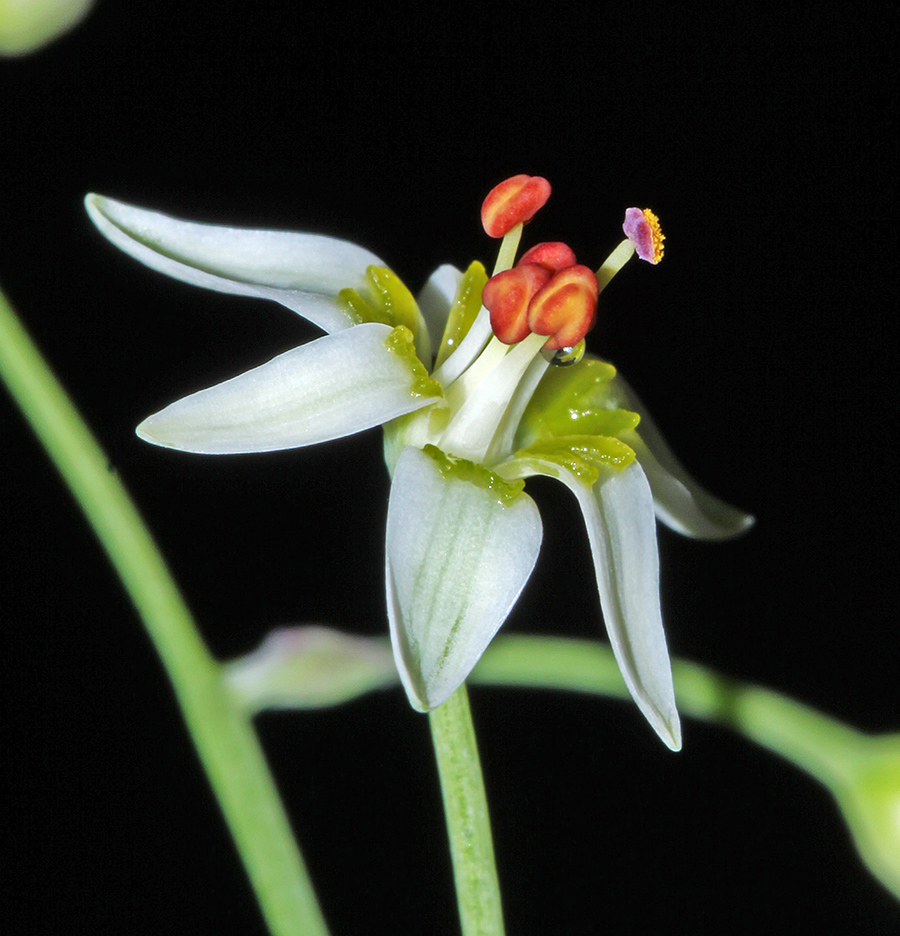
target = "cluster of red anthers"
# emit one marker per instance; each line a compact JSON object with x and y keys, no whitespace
{"x":546,"y":292}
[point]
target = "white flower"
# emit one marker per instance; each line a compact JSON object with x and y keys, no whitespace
{"x":465,"y":422}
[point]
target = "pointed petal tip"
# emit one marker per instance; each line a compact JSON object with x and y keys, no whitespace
{"x":96,"y":206}
{"x":420,"y":704}
{"x":670,"y":733}
{"x":144,"y":431}
{"x":92,"y":205}
{"x":666,"y":724}
{"x":151,"y":431}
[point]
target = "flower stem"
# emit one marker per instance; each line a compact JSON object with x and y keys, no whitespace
{"x":808,"y":739}
{"x":224,"y":737}
{"x":468,"y":824}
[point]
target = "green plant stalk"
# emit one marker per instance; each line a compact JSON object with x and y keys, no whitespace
{"x":861,"y":771}
{"x":468,"y":823}
{"x":224,"y":737}
{"x":808,"y":739}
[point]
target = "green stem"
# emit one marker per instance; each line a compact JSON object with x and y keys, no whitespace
{"x":224,"y":737}
{"x":468,"y":824}
{"x":805,"y":737}
{"x":808,"y":739}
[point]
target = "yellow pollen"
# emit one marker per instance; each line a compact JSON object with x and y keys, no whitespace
{"x":656,"y":232}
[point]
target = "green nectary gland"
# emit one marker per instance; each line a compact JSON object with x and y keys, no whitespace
{"x":585,"y":456}
{"x":402,"y":343}
{"x":574,"y":401}
{"x":573,"y":421}
{"x":461,"y":469}
{"x":386,"y":300}
{"x":464,"y":309}
{"x":393,"y":298}
{"x":361,"y":311}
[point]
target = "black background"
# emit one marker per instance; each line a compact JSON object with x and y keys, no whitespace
{"x":764,"y":344}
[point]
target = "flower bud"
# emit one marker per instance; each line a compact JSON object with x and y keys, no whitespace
{"x":514,"y":201}
{"x":26,"y":25}
{"x":869,"y":797}
{"x":565,"y":308}
{"x":309,"y":666}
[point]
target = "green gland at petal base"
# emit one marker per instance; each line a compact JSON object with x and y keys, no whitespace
{"x":386,"y":299}
{"x":584,"y":456}
{"x":402,"y":343}
{"x":463,"y":312}
{"x":574,"y":401}
{"x":359,"y":310}
{"x":462,"y":469}
{"x":421,"y":426}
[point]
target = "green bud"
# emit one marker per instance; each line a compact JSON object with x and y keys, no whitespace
{"x":310,"y":667}
{"x":26,"y":25}
{"x":869,"y":798}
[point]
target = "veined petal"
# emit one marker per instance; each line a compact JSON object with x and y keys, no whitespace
{"x":461,"y":544}
{"x":680,"y":502}
{"x":304,"y":272}
{"x":436,"y":297}
{"x":618,"y":514}
{"x":331,"y":387}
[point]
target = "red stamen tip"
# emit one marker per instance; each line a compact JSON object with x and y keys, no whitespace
{"x":507,"y":296}
{"x":514,"y":201}
{"x":553,"y":255}
{"x":566,"y":308}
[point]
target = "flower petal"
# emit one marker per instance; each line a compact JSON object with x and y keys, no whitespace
{"x":304,"y":272}
{"x":461,"y":545}
{"x":436,"y":297}
{"x":680,"y":501}
{"x":331,"y":387}
{"x":622,"y":534}
{"x":618,"y":514}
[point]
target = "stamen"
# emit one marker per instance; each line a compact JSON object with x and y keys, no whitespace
{"x":472,"y":427}
{"x":468,"y":381}
{"x":506,"y":255}
{"x":554,"y":255}
{"x":507,"y":296}
{"x":641,"y":227}
{"x":514,"y":201}
{"x":565,"y":309}
{"x":614,"y":262}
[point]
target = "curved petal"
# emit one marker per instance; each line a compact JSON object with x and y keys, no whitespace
{"x":304,"y":272}
{"x":459,"y":552}
{"x":329,"y":388}
{"x":618,"y":514}
{"x":680,"y":502}
{"x":436,"y":297}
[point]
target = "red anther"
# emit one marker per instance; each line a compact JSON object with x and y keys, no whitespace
{"x":565,"y":308}
{"x":553,"y":255}
{"x":507,"y":295}
{"x":514,"y":201}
